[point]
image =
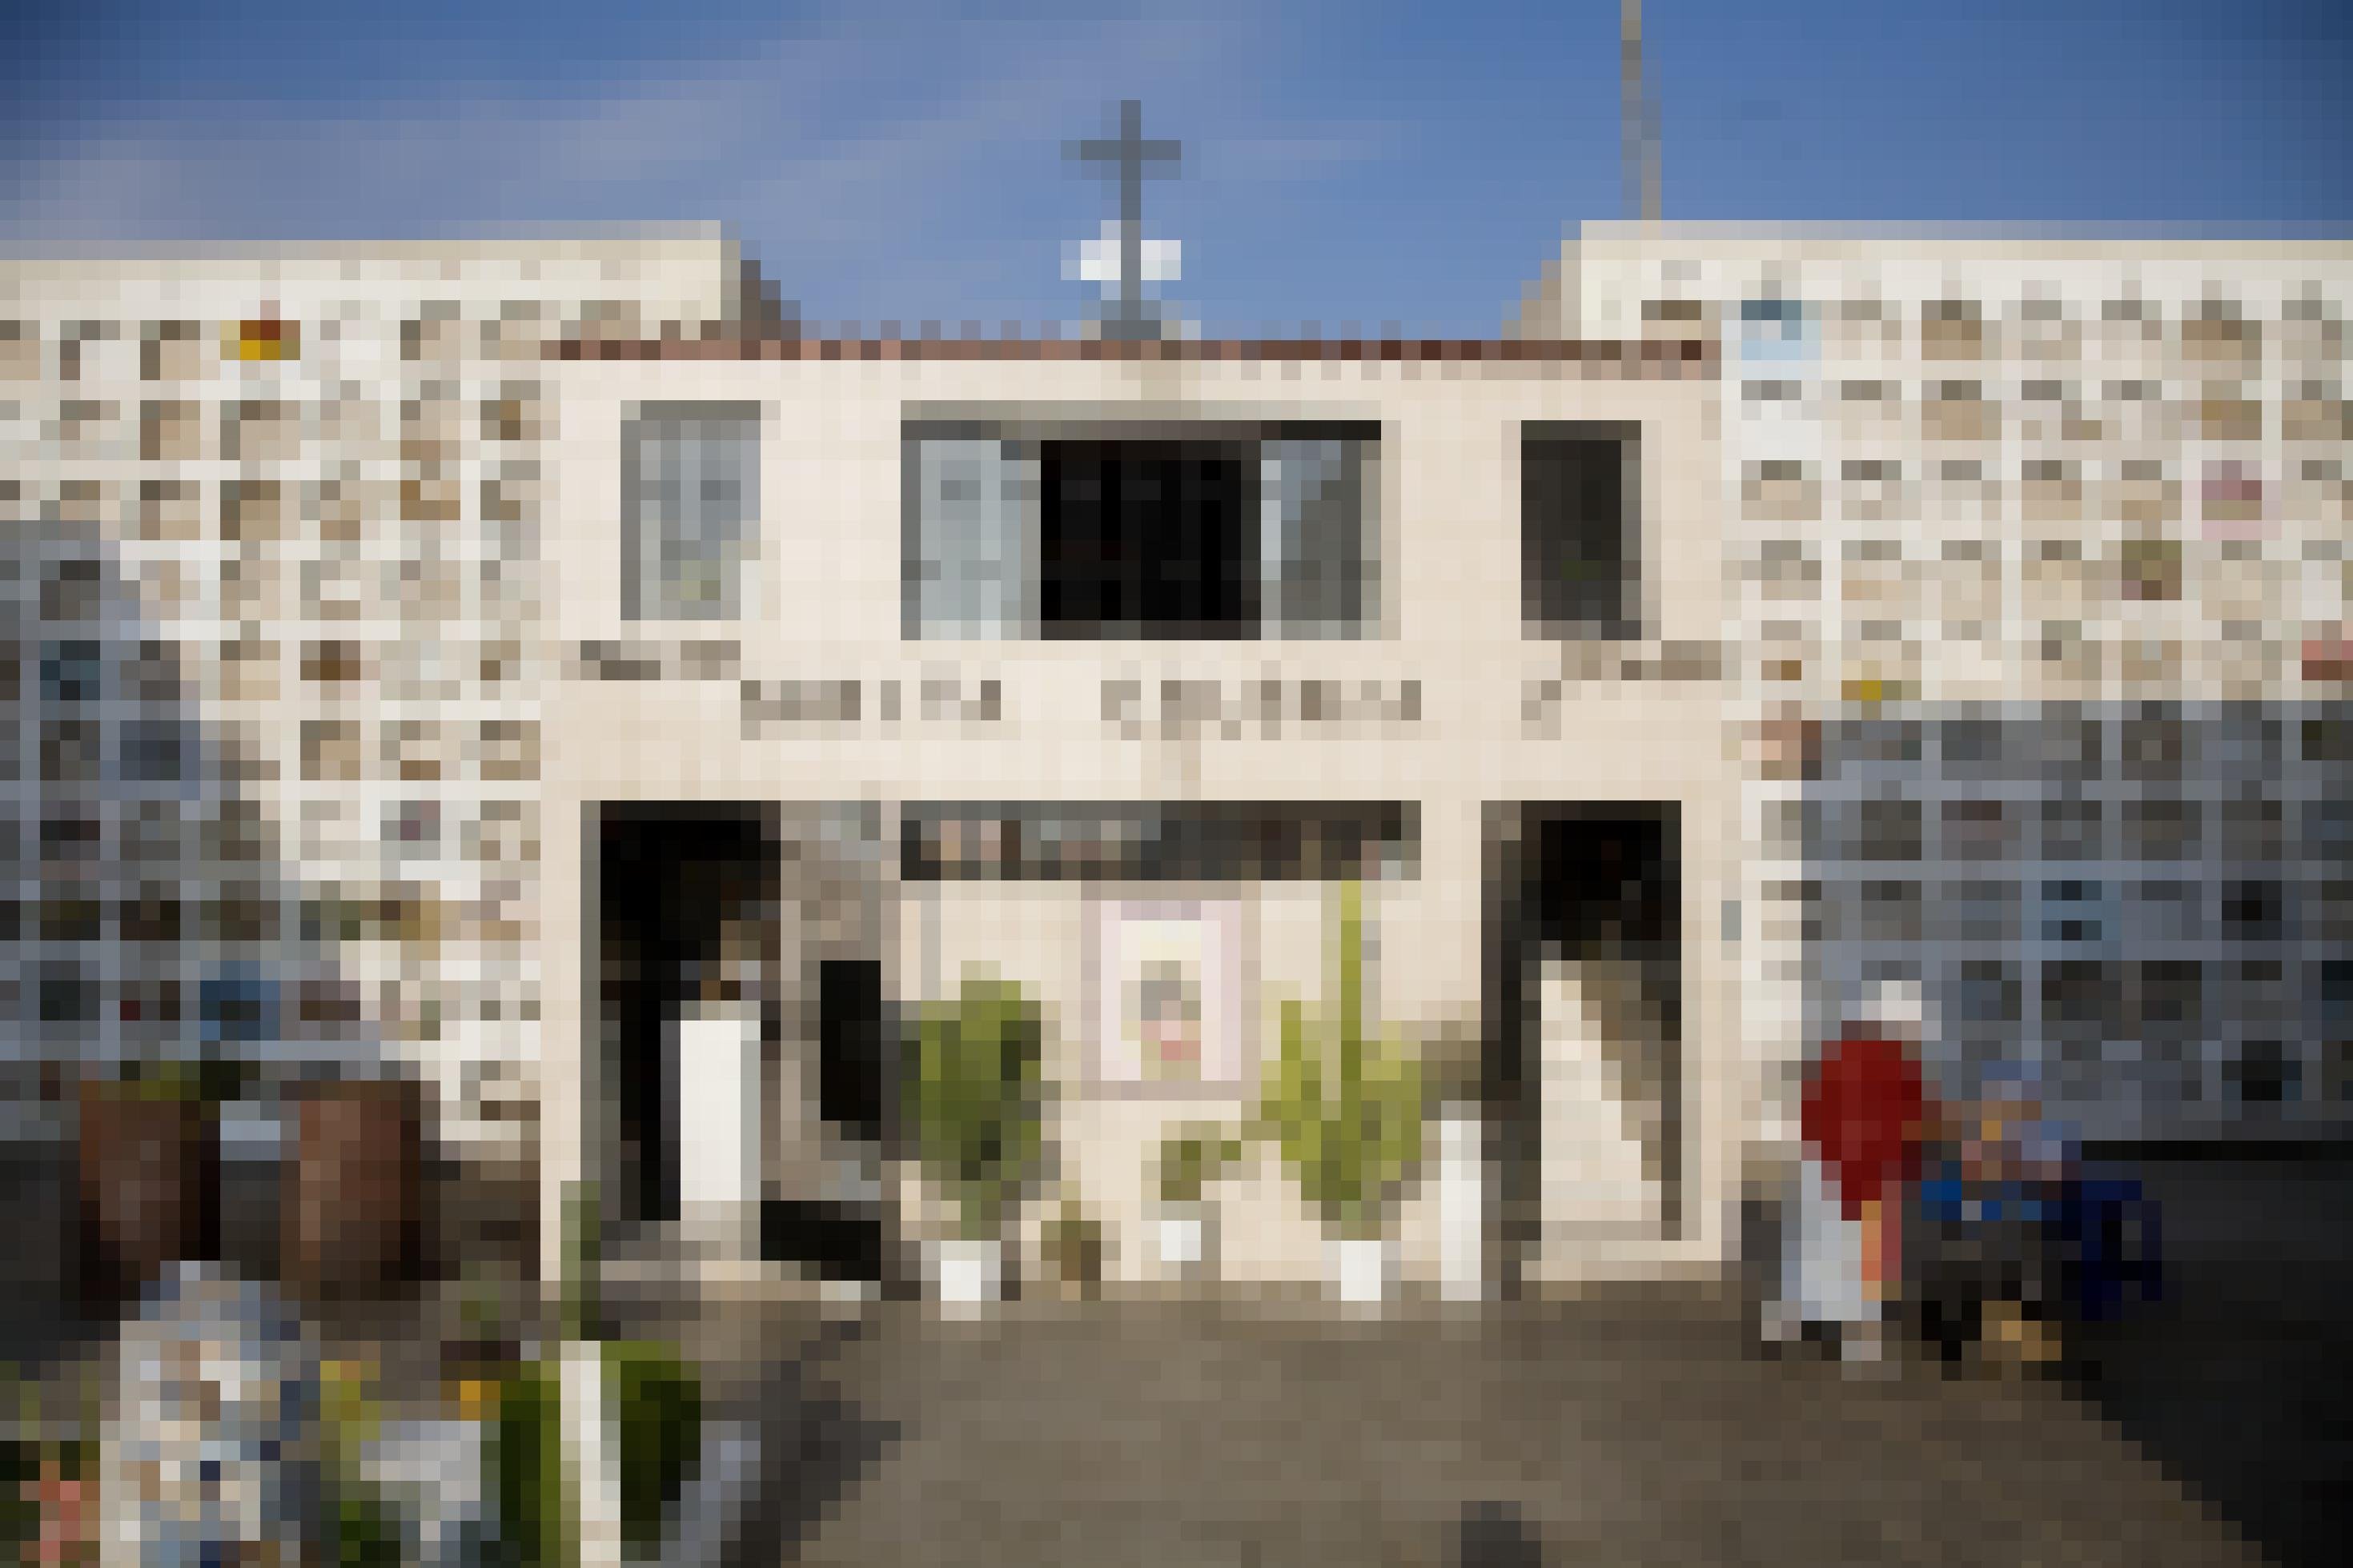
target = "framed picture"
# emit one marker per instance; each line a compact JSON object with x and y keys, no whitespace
{"x":1167,"y":1004}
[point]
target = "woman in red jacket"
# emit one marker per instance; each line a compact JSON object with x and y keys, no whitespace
{"x":1864,"y":1121}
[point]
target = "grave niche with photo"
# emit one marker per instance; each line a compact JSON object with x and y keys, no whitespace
{"x":1170,"y":1012}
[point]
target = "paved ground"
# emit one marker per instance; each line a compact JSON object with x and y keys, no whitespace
{"x":1626,"y":1432}
{"x":1622,"y":1431}
{"x":2209,"y":1426}
{"x":2237,"y":1381}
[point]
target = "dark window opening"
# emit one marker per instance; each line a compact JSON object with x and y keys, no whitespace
{"x":2254,"y":910}
{"x":1156,"y":539}
{"x":850,"y":1046}
{"x":2264,"y":1074}
{"x":1581,"y":528}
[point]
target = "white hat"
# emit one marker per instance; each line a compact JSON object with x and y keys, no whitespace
{"x":1896,"y":1004}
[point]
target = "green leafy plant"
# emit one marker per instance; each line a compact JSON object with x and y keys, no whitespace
{"x":1346,"y":1103}
{"x":1189,"y":1159}
{"x":975,"y":1099}
{"x":660,"y":1398}
{"x":365,"y":1530}
{"x":20,"y":1509}
{"x":366,"y":1533}
{"x":534,"y":1503}
{"x":583,"y":1252}
{"x":655,"y":1399}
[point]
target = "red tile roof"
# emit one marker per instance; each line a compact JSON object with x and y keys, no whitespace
{"x":1658,"y":357}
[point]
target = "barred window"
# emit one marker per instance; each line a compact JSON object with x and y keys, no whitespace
{"x":1178,"y":530}
{"x":690,"y":488}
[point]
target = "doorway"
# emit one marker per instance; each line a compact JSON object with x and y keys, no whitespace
{"x":758,"y":931}
{"x":1578,"y":881}
{"x":687,"y":913}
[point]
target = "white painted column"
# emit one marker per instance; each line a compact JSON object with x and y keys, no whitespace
{"x":578,"y":1120}
{"x":719,"y":1126}
{"x":593,"y":1450}
{"x":1461,"y":1205}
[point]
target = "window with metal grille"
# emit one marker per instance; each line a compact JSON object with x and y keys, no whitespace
{"x":690,"y":511}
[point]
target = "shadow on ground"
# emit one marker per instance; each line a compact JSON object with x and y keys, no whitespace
{"x":815,"y":1447}
{"x":2236,"y":1383}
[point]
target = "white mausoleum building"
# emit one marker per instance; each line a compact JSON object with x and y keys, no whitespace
{"x":539,"y":668}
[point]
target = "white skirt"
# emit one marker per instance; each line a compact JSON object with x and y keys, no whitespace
{"x":1822,"y":1279}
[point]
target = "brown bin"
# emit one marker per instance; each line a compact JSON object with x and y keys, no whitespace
{"x":149,"y":1189}
{"x":354,"y":1209}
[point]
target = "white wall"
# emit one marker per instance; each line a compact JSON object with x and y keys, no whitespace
{"x":829,"y":556}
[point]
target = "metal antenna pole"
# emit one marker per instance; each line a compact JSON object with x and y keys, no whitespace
{"x":1639,"y":120}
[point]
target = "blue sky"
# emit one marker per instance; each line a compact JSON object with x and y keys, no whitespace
{"x":1346,"y":166}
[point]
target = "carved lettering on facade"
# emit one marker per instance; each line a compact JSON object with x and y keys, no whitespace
{"x":1254,"y":708}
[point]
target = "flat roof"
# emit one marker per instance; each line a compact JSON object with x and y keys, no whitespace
{"x":529,"y":241}
{"x":2303,"y":242}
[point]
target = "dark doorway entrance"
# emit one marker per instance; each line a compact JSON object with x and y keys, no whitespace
{"x":852,"y":1047}
{"x":1574,"y":879}
{"x":837,"y":1238}
{"x":751,"y":904}
{"x":670,"y":876}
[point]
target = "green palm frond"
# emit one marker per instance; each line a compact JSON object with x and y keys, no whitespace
{"x":1344,"y":1106}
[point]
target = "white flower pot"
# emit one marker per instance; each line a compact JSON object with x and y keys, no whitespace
{"x":1361,"y":1270}
{"x":969,"y":1273}
{"x":1182,"y":1234}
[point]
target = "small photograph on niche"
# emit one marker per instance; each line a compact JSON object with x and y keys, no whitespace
{"x":1168,"y":1014}
{"x":1167,"y":1009}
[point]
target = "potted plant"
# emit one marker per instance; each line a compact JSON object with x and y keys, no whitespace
{"x":975,"y":1102}
{"x":597,"y":1445}
{"x":536,"y":1496}
{"x":659,"y":1396}
{"x":1189,"y":1160}
{"x":149,"y":1158}
{"x":1345,"y":1104}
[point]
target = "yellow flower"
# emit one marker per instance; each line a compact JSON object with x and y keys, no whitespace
{"x":477,"y":1399}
